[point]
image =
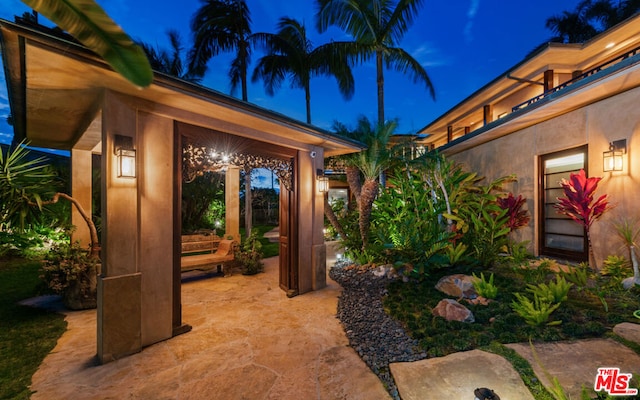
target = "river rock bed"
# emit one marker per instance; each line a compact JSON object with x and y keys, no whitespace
{"x":374,"y":335}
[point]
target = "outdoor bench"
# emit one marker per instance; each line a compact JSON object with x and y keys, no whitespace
{"x":206,"y":251}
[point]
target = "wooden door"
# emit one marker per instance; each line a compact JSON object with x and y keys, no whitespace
{"x":288,"y":244}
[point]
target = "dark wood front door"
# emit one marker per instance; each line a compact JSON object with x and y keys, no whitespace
{"x":288,"y":245}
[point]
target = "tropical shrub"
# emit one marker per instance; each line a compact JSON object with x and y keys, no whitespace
{"x":518,"y":252}
{"x":615,"y":267}
{"x":517,"y":216}
{"x":484,"y":221}
{"x":249,"y":255}
{"x":628,"y":232}
{"x":555,"y":291}
{"x":485,"y":288}
{"x":577,"y":275}
{"x":405,"y":221}
{"x":579,"y":205}
{"x":536,"y":312}
{"x":201,"y":199}
{"x":71,"y":271}
{"x":24,"y":180}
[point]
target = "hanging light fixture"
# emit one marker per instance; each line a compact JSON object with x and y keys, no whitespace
{"x":125,"y":156}
{"x":322,"y":181}
{"x":612,"y":159}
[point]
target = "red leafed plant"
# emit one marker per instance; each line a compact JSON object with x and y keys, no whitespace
{"x":578,"y":203}
{"x":517,"y":216}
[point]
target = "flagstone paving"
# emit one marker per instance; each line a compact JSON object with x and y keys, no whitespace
{"x":249,"y":341}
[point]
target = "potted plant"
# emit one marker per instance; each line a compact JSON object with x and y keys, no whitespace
{"x":249,"y":255}
{"x":71,"y":271}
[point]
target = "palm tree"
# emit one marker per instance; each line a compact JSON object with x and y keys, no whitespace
{"x":377,"y":26}
{"x":572,"y":26}
{"x":363,"y":169}
{"x":221,"y":26}
{"x":170,"y":63}
{"x":290,"y":54}
{"x":589,"y":19}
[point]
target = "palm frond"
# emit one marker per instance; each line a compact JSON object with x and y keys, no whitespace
{"x":89,"y":24}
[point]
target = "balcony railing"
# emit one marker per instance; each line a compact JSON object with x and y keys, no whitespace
{"x":577,"y":78}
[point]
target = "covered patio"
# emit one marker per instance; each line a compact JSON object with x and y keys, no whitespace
{"x":248,"y":342}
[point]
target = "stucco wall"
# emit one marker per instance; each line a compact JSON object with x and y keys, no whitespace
{"x":611,"y":119}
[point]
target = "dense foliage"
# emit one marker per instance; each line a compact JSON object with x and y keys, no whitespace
{"x":588,"y":310}
{"x":432,"y":214}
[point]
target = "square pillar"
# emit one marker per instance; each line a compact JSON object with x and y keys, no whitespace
{"x":81,"y":190}
{"x":232,"y":202}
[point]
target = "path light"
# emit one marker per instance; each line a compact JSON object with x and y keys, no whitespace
{"x":485,"y":394}
{"x":612,"y":159}
{"x":125,"y":155}
{"x":322,"y":181}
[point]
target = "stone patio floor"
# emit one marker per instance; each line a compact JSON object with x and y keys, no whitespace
{"x":249,"y":341}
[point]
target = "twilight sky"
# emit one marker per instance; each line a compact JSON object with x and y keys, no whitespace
{"x":463,"y":44}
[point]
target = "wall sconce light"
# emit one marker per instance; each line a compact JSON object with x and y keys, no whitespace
{"x":612,"y":159}
{"x":125,"y":156}
{"x":322,"y":181}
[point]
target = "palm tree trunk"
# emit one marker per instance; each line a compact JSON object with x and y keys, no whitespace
{"x":353,"y":179}
{"x":245,"y":96}
{"x":331,"y":216}
{"x":307,"y":95}
{"x":380,"y":82}
{"x":367,"y":197}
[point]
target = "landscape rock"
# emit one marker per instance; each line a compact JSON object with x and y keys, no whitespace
{"x":385,"y":270}
{"x":457,"y":285}
{"x":451,"y":310}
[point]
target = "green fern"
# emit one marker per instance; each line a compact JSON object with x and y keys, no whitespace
{"x":536,"y":312}
{"x":485,"y":288}
{"x":555,"y":292}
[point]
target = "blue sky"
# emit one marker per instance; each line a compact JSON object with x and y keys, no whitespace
{"x":463,"y":44}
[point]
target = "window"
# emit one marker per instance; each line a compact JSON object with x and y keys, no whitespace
{"x":560,"y":236}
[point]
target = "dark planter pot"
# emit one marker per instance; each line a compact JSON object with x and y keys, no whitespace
{"x":82,"y":294}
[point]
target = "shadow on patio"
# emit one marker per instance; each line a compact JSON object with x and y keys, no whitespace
{"x":249,"y":341}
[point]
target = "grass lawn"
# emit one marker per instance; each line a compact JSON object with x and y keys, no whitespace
{"x":27,"y":334}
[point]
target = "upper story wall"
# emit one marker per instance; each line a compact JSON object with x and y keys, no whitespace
{"x":541,"y":74}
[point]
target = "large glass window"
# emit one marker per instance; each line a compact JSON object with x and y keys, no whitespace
{"x":560,"y":236}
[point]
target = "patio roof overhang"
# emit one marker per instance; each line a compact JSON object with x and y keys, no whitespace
{"x":56,"y":88}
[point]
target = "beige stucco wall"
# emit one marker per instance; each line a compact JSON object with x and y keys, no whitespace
{"x":611,"y":119}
